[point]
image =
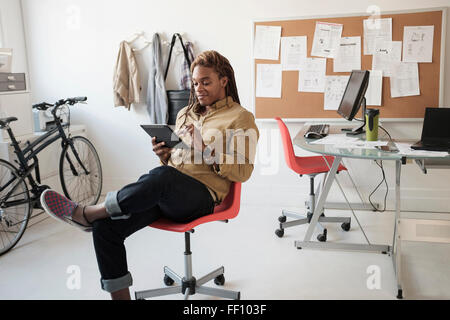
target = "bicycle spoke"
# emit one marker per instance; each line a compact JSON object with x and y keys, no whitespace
{"x":14,"y":209}
{"x":81,"y":180}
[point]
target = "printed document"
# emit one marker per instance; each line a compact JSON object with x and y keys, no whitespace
{"x":418,"y":44}
{"x":327,"y":37}
{"x":334,"y":90}
{"x":348,"y":56}
{"x":405,"y":79}
{"x":386,"y":53}
{"x":374,"y":89}
{"x":361,"y":144}
{"x":336,"y":139}
{"x":376,"y":29}
{"x":268,"y":80}
{"x":311,"y":77}
{"x":405,"y":149}
{"x":267,"y":42}
{"x":293,"y":52}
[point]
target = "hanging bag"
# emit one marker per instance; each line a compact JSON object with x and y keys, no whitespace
{"x":177,"y":99}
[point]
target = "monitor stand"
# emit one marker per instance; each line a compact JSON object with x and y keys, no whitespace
{"x":360,"y":129}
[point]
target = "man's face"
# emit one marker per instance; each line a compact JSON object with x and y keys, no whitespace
{"x":209,"y":88}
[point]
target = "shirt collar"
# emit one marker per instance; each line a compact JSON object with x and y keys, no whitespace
{"x":228,"y":101}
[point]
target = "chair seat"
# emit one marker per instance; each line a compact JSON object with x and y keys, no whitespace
{"x":168,"y":225}
{"x":228,"y":209}
{"x":313,"y":165}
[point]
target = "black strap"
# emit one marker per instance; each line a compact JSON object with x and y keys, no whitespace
{"x":172,"y":44}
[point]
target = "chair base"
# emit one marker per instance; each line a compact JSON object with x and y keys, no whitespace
{"x":190,"y":287}
{"x":301,"y":219}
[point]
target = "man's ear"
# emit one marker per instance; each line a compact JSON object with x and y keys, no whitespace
{"x":224,"y":81}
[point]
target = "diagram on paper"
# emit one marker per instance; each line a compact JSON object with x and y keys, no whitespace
{"x":418,"y":44}
{"x":334,"y":90}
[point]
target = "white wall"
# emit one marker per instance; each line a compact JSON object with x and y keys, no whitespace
{"x":72,"y":49}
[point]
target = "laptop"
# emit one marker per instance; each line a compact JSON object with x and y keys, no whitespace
{"x":435,"y":131}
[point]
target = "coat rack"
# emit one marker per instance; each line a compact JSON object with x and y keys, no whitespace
{"x":141,"y":34}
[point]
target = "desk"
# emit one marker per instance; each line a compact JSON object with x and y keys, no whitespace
{"x":394,"y":250}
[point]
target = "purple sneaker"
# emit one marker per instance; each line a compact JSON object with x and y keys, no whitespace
{"x":61,"y":208}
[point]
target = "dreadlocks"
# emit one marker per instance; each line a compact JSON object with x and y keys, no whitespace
{"x":221,"y":65}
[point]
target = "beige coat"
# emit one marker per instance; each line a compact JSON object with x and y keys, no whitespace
{"x":126,"y":84}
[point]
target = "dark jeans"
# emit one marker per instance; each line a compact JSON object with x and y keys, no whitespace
{"x":163,"y":192}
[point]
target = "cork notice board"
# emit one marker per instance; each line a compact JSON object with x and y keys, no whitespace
{"x":304,"y":105}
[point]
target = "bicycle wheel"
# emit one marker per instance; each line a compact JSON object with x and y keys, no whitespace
{"x":80,"y":172}
{"x":15,"y":207}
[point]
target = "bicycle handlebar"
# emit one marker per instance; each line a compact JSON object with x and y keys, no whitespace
{"x":69,"y":101}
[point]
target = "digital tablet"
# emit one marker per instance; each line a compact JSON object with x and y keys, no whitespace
{"x":163,"y":133}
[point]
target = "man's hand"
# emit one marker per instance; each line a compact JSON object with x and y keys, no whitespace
{"x":197,"y":140}
{"x":161,"y":150}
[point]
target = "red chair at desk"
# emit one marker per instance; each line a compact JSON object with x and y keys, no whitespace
{"x":310,"y":166}
{"x":189,"y":285}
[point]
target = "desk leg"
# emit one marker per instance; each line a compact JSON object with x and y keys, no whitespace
{"x":306,"y":243}
{"x":323,"y":195}
{"x":396,"y":241}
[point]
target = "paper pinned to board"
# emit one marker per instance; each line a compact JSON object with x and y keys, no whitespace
{"x":348,"y":56}
{"x":418,"y":44}
{"x":327,"y":37}
{"x":268,"y":80}
{"x":376,"y":29}
{"x":374,"y":89}
{"x":334,"y":90}
{"x":405,"y":79}
{"x":311,"y":77}
{"x":267,"y":42}
{"x":386,"y":53}
{"x":293,"y":52}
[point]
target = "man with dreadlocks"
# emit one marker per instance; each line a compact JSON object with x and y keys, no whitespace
{"x":189,"y":183}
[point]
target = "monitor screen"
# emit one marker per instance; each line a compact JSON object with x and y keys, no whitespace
{"x":436,"y":124}
{"x":354,"y":94}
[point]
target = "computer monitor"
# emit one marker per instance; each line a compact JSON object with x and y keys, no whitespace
{"x":353,"y":98}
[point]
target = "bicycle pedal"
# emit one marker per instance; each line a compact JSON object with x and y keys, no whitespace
{"x":37,"y":204}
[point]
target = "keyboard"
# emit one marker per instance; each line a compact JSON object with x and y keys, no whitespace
{"x":317,"y":131}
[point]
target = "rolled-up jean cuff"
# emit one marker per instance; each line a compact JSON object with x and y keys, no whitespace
{"x":113,"y":285}
{"x":113,"y":208}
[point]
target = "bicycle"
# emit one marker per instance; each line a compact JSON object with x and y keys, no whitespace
{"x":80,"y":173}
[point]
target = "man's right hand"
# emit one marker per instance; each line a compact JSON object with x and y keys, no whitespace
{"x":161,"y":150}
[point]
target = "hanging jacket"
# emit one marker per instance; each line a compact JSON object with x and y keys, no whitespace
{"x":157,"y":104}
{"x":185,"y":83}
{"x":126,"y":83}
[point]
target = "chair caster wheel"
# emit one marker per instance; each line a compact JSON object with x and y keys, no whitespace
{"x":168,"y":281}
{"x":219,"y":280}
{"x":345,"y":226}
{"x":279,"y":233}
{"x":322,"y":237}
{"x":282,"y":219}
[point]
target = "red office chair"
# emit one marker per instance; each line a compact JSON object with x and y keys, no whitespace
{"x":188,"y":285}
{"x":310,"y":166}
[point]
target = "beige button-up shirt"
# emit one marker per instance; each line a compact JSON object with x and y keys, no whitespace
{"x":228,"y":129}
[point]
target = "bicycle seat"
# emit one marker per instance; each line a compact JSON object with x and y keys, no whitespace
{"x":4,"y":121}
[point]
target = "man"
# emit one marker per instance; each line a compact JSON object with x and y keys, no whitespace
{"x":189,"y":183}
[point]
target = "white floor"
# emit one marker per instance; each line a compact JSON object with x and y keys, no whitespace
{"x":258,"y":263}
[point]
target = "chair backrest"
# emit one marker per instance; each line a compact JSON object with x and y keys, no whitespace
{"x":289,"y":154}
{"x":232,"y":202}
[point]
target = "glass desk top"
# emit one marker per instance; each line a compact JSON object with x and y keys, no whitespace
{"x":329,"y":149}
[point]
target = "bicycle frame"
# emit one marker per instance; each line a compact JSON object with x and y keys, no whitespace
{"x":28,"y":153}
